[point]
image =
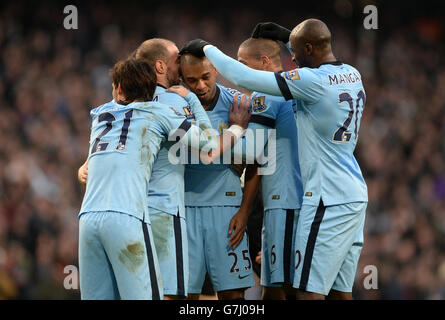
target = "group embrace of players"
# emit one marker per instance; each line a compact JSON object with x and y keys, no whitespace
{"x":151,"y":228}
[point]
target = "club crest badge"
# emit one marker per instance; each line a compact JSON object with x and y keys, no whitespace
{"x":258,"y":104}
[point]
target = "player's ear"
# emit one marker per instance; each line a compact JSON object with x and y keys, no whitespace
{"x":114,"y":92}
{"x":308,"y":49}
{"x":160,"y":67}
{"x":215,"y":72}
{"x":120,"y":93}
{"x":265,"y":61}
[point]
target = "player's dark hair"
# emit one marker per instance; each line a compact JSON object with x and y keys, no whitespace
{"x":136,"y":78}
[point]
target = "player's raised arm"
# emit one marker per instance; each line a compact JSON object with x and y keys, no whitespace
{"x":202,"y":135}
{"x":284,"y":84}
{"x":250,"y":148}
{"x":198,"y":111}
{"x":311,"y":43}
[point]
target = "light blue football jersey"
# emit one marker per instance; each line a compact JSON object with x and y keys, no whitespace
{"x":330,"y":104}
{"x":123,"y":145}
{"x":214,"y":184}
{"x":283,"y":189}
{"x":166,"y":189}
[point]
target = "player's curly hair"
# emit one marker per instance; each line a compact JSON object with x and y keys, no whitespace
{"x":136,"y":78}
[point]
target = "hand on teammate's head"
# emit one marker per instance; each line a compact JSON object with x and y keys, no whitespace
{"x":271,"y":30}
{"x":194,"y":47}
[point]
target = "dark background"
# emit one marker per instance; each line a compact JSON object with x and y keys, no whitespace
{"x":51,"y":77}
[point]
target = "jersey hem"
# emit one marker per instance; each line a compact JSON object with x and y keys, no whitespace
{"x":332,"y":203}
{"x":140,"y":216}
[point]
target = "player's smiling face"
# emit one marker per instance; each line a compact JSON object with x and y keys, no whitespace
{"x":201,"y":79}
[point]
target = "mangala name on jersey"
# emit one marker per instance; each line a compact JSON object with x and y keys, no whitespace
{"x":341,"y":78}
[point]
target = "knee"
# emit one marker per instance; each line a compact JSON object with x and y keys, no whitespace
{"x":305,"y":295}
{"x":231,"y":295}
{"x":339,"y":295}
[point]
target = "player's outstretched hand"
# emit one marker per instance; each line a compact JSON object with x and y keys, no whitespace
{"x":237,"y":228}
{"x":194,"y":47}
{"x":240,"y":111}
{"x":178,"y":89}
{"x":82,"y":173}
{"x":271,"y":30}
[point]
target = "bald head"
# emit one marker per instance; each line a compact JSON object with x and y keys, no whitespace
{"x":313,"y":31}
{"x":311,"y":43}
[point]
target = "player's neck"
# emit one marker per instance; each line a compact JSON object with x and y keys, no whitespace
{"x":325,"y":59}
{"x":277,"y":68}
{"x":162,"y":82}
{"x":206,"y":105}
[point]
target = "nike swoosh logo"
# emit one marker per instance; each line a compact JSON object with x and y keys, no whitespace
{"x":239,"y":276}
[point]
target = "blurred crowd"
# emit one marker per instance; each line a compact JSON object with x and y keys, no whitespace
{"x":51,"y":77}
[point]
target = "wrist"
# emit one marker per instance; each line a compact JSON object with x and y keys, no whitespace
{"x":244,"y":213}
{"x":237,"y":131}
{"x":207,"y":46}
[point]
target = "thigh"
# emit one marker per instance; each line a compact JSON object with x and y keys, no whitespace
{"x":346,"y":276}
{"x":279,"y":227}
{"x":323,"y":239}
{"x":97,"y":279}
{"x":196,"y":257}
{"x":170,"y":239}
{"x":129,"y":245}
{"x":228,"y":268}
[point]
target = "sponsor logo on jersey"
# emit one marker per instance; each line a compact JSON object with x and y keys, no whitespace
{"x":292,"y":75}
{"x":230,"y":194}
{"x":276,"y":197}
{"x":258,"y":104}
